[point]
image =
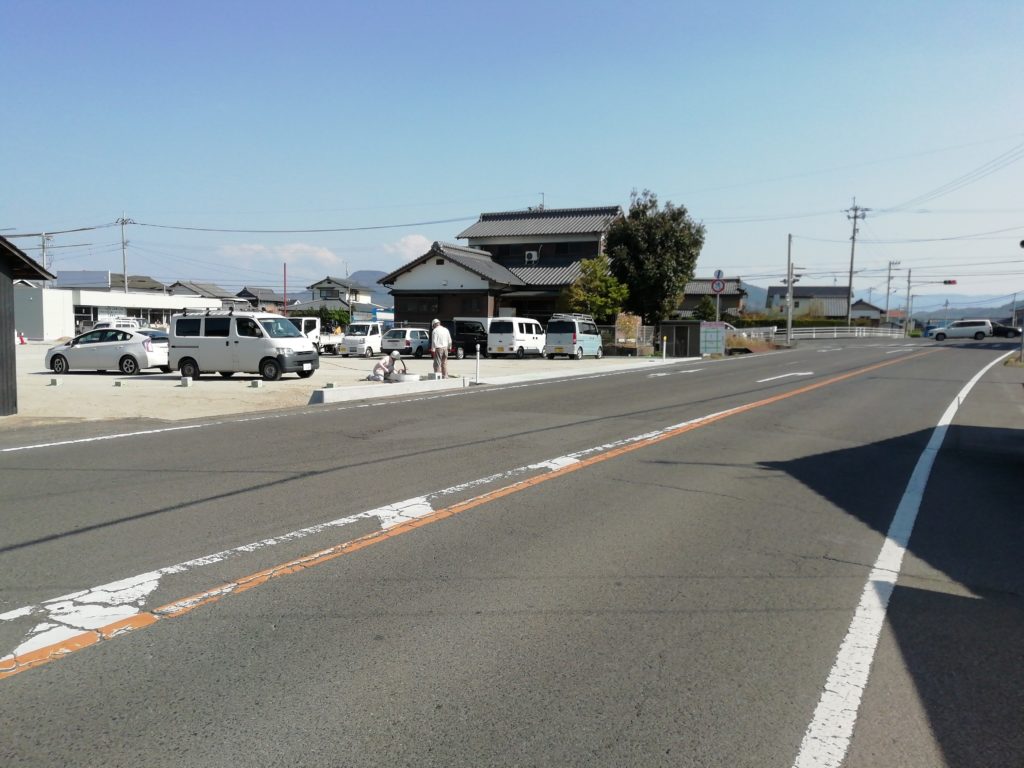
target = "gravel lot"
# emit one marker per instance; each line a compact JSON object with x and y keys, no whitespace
{"x":86,"y":396}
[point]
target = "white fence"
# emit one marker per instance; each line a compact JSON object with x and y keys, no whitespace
{"x":842,"y":332}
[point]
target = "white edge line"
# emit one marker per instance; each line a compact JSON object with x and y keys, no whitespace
{"x":828,"y":736}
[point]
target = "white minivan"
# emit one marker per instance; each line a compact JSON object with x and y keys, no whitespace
{"x":519,"y":336}
{"x":239,"y":342}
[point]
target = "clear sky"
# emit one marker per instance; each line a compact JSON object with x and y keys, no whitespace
{"x":763,"y":119}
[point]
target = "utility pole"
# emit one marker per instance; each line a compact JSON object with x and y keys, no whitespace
{"x":124,"y":259}
{"x":906,"y":321}
{"x":888,"y":289}
{"x":853,"y":213}
{"x":790,"y":279}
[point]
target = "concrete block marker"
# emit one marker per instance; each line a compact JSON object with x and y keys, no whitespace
{"x":55,"y":382}
{"x":186,"y":381}
{"x":256,"y":384}
{"x":120,"y":383}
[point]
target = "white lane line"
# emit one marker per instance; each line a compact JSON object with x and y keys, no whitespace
{"x":674,"y":373}
{"x":783,"y":376}
{"x":828,"y":736}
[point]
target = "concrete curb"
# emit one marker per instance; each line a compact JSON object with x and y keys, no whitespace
{"x":346,"y":393}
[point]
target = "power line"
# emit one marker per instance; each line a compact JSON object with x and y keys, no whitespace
{"x":307,"y":231}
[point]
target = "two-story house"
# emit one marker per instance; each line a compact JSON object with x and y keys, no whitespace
{"x":515,"y":262}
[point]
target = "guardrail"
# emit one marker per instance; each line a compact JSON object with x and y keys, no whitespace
{"x":842,"y":332}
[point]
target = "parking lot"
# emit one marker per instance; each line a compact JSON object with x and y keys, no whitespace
{"x":88,"y":395}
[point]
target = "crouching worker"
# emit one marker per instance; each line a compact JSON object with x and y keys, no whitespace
{"x":384,"y":370}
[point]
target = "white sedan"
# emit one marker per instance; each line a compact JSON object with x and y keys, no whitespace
{"x":107,"y":348}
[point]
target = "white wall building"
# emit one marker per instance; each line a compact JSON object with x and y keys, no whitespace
{"x":53,"y":313}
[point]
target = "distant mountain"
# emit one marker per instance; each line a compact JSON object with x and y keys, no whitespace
{"x":757,"y":297}
{"x":368,"y":278}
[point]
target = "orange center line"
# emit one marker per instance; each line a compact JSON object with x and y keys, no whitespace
{"x":185,"y":605}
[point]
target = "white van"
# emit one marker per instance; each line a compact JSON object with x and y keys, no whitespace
{"x":310,"y":328}
{"x":121,"y":323}
{"x":519,"y":336}
{"x":231,"y":342}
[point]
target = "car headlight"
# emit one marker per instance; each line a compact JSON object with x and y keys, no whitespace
{"x":284,"y":350}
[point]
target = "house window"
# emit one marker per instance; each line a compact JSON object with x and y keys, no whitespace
{"x":796,"y":305}
{"x":439,"y":262}
{"x":329,"y":293}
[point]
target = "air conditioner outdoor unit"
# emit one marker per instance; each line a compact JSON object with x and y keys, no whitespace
{"x":531,"y":257}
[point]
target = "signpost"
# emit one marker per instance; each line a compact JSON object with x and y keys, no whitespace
{"x":717,"y":286}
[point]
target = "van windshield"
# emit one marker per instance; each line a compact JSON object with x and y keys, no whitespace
{"x":357,"y":329}
{"x":280,"y":328}
{"x":501,"y":326}
{"x":561,"y":326}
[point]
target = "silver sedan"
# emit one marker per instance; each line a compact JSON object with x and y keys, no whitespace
{"x":108,"y":348}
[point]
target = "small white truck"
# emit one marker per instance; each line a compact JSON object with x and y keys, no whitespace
{"x":361,"y":338}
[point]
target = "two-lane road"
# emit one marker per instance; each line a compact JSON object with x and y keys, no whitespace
{"x":651,"y":568}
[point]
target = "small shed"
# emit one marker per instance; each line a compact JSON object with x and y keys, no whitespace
{"x":14,"y":265}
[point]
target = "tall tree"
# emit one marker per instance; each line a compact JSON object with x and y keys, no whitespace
{"x":705,"y":309}
{"x":598,"y":292}
{"x":654,"y":252}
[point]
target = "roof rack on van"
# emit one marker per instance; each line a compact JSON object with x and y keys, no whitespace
{"x":209,"y":312}
{"x":572,"y":316}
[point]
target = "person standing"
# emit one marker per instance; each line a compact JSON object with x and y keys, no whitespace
{"x":440,"y":342}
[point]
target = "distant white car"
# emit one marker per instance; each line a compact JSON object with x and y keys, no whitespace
{"x":104,"y":349}
{"x":962,"y":329}
{"x":408,"y":341}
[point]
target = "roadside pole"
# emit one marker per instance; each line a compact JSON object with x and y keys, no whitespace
{"x":477,"y":362}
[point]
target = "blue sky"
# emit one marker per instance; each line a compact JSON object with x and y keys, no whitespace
{"x":763,"y":119}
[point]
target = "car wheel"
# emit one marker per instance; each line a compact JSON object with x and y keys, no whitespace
{"x":368,"y":352}
{"x":520,"y":353}
{"x":979,"y":336}
{"x":304,"y":374}
{"x":940,"y":337}
{"x":460,"y":353}
{"x":59,"y":364}
{"x":318,"y":352}
{"x":270,"y":370}
{"x":579,"y":353}
{"x":1011,"y":334}
{"x":129,"y":365}
{"x":165,"y":369}
{"x":551,"y":357}
{"x":419,"y":353}
{"x":226,"y":374}
{"x":189,"y":369}
{"x":600,"y":353}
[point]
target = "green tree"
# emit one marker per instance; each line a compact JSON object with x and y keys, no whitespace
{"x":705,"y":309}
{"x":598,"y":292}
{"x":654,"y":251}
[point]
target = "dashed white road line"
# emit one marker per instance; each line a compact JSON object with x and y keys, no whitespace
{"x":785,"y":375}
{"x":827,"y":738}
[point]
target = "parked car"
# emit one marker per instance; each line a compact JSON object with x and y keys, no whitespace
{"x":362,"y":339}
{"x":408,"y":341}
{"x":519,"y":336}
{"x":103,"y":349}
{"x":1007,"y":331}
{"x":467,"y":333}
{"x":573,"y":335}
{"x":239,"y":342}
{"x":962,"y":329}
{"x":124,"y":323}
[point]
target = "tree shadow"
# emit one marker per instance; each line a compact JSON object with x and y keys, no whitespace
{"x":964,"y":653}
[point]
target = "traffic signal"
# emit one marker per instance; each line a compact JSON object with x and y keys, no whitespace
{"x":949,"y":282}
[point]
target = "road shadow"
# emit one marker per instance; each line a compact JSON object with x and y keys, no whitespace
{"x":965,"y":653}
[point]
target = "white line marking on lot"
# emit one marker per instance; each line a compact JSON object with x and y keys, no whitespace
{"x":783,"y":376}
{"x":828,"y":736}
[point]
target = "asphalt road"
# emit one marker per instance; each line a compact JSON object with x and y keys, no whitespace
{"x":640,"y":568}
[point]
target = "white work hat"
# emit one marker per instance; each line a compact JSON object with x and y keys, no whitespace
{"x":435,"y":321}
{"x":395,"y":354}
